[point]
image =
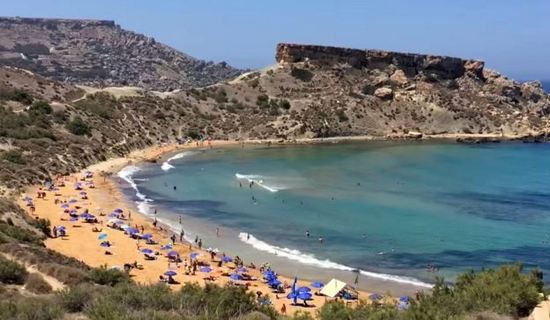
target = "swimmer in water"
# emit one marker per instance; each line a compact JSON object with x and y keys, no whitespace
{"x":307,"y":233}
{"x":175,"y":187}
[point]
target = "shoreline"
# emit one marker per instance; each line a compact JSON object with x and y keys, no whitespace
{"x":108,"y":195}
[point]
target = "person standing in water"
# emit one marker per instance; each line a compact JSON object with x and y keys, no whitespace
{"x":321,"y":240}
{"x":200,"y":244}
{"x":217,"y":232}
{"x":180,"y":219}
{"x":307,"y":233}
{"x":182,"y":234}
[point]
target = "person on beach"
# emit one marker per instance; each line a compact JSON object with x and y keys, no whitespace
{"x":251,"y":184}
{"x":129,"y":215}
{"x":283,"y":309}
{"x":173,"y":238}
{"x":196,"y":239}
{"x":200,"y":244}
{"x":155,"y":211}
{"x":248,"y":236}
{"x":180,"y":219}
{"x":182,"y":234}
{"x":54,"y":231}
{"x":155,"y":223}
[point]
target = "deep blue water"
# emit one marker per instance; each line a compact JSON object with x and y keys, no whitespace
{"x":382,"y":207}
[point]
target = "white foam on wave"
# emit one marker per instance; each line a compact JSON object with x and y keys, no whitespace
{"x":166,"y":166}
{"x":260,"y":181}
{"x":309,"y":259}
{"x":126,"y":174}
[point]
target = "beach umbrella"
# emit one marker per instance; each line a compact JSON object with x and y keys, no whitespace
{"x":60,"y":227}
{"x":304,"y":289}
{"x":104,"y":244}
{"x":317,"y":284}
{"x":113,"y":221}
{"x":147,"y":236}
{"x":124,"y":226}
{"x":227,"y":259}
{"x":242,"y":269}
{"x":27,"y":198}
{"x":194,"y":255}
{"x":375,"y":296}
{"x":404,"y":299}
{"x":206,"y":269}
{"x":235,"y":276}
{"x":274,"y":283}
{"x":73,"y":219}
{"x":132,"y":230}
{"x":113,"y":215}
{"x":170,"y":273}
{"x":146,"y":251}
{"x":166,"y":247}
{"x":102,"y":236}
{"x":118,"y":210}
{"x":65,"y":206}
{"x":73,"y":201}
{"x":173,"y":254}
{"x":83,"y":193}
{"x":304,"y":295}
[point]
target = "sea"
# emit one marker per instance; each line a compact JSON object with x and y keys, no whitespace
{"x":388,"y":216}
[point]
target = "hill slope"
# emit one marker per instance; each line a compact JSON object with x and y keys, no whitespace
{"x":101,"y":53}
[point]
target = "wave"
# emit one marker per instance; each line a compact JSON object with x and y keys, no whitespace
{"x":259,"y":180}
{"x":309,"y":259}
{"x":126,"y":174}
{"x":166,"y":166}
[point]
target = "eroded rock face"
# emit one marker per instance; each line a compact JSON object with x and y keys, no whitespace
{"x":101,"y":53}
{"x":411,"y":64}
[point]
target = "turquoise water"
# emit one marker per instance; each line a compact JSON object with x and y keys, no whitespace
{"x":386,"y":208}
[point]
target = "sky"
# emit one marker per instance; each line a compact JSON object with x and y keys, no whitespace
{"x":512,"y":36}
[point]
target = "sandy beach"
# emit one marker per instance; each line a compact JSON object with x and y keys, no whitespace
{"x":82,"y":240}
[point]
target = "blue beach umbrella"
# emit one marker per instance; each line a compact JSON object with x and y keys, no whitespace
{"x":274,"y":283}
{"x":194,"y":255}
{"x":375,"y":296}
{"x":317,"y":284}
{"x":73,"y":219}
{"x":73,"y":201}
{"x":27,"y":198}
{"x":65,"y":206}
{"x":146,"y":251}
{"x":82,"y":193}
{"x":132,"y":230}
{"x":206,"y":269}
{"x":118,"y":210}
{"x":173,"y":254}
{"x":404,"y":299}
{"x":242,"y":269}
{"x":104,"y":244}
{"x":227,"y":259}
{"x":235,"y":276}
{"x":170,"y":273}
{"x":60,"y":227}
{"x":147,"y":236}
{"x":304,"y":289}
{"x":113,"y":215}
{"x":304,"y":295}
{"x":166,"y":247}
{"x":102,"y":236}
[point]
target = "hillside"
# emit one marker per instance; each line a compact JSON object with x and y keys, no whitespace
{"x":101,"y":53}
{"x":317,"y":91}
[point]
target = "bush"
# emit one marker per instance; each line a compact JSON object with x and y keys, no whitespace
{"x":368,"y":89}
{"x":301,"y":74}
{"x":12,"y":272}
{"x":40,"y":107}
{"x":109,"y":277}
{"x":78,"y":127}
{"x":76,"y":298}
{"x":25,"y":308}
{"x":16,"y":95}
{"x":43,"y":225}
{"x":341,"y":114}
{"x":36,"y":284}
{"x":101,"y":104}
{"x":19,"y":234}
{"x":13,"y":156}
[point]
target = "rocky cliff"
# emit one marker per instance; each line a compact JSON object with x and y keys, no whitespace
{"x":101,"y":53}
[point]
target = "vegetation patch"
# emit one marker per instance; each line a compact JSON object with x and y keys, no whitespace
{"x":301,"y":74}
{"x":11,"y":272}
{"x":36,"y":284}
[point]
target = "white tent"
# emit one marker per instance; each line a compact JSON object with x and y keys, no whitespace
{"x":333,"y":288}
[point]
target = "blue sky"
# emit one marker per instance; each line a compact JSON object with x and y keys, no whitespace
{"x":512,"y":36}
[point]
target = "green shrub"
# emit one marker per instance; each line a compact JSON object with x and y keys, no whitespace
{"x":40,"y":107}
{"x":12,"y":272}
{"x":368,"y":89}
{"x":16,"y":95}
{"x":284,"y":104}
{"x":18,"y":233}
{"x":43,"y":225}
{"x":301,"y":74}
{"x":78,"y":127}
{"x":13,"y":156}
{"x":101,"y":104}
{"x":341,"y":114}
{"x":36,"y":284}
{"x":109,"y":277}
{"x":76,"y":298}
{"x":25,"y":308}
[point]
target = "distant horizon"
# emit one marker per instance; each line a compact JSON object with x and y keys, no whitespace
{"x":507,"y":36}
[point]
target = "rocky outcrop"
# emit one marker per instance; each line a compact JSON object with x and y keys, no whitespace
{"x":101,"y":53}
{"x":410,"y":64}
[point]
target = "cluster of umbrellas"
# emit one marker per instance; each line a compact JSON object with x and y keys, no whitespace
{"x":271,"y":277}
{"x":237,"y":275}
{"x":302,"y":293}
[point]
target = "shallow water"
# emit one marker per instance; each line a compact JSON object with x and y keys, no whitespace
{"x":386,"y":208}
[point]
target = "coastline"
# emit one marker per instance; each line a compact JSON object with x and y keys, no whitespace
{"x":107,"y":195}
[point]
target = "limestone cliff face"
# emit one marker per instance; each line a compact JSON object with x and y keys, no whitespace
{"x":411,"y":64}
{"x":101,"y":53}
